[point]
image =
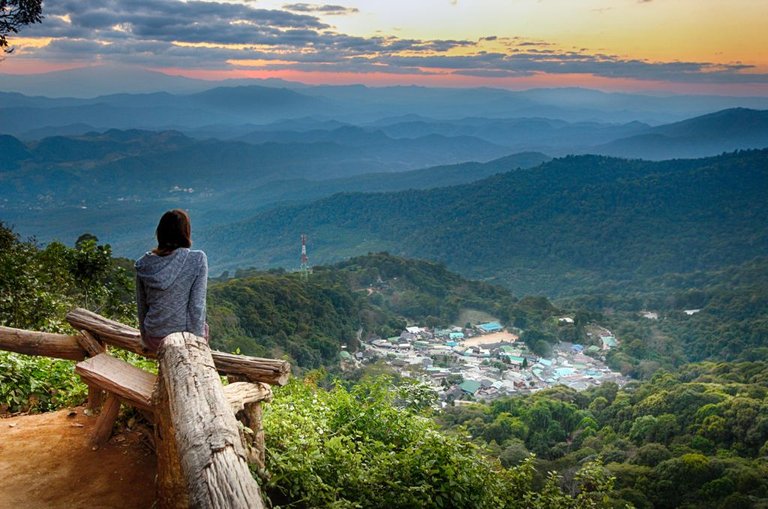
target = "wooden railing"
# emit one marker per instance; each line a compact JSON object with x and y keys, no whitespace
{"x":203,"y":455}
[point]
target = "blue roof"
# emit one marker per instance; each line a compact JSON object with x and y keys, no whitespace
{"x":490,"y":326}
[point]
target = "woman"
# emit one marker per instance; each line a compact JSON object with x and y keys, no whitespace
{"x":171,"y":282}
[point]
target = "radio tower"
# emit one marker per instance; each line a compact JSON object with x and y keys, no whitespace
{"x":304,"y":269}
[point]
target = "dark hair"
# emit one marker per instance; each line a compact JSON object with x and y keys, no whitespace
{"x":173,"y":231}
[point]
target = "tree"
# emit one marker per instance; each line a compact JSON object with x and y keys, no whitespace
{"x":16,"y":13}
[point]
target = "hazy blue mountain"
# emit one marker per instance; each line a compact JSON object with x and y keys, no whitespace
{"x":350,"y":103}
{"x":551,"y":136}
{"x":303,"y":190}
{"x":145,"y":166}
{"x":12,"y":152}
{"x":573,"y":221}
{"x":722,"y":131}
{"x":99,"y":80}
{"x":474,"y":119}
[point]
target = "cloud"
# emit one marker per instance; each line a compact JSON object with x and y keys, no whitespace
{"x":216,"y":35}
{"x":330,"y":10}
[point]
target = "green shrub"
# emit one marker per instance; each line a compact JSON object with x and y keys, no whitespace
{"x":38,"y":384}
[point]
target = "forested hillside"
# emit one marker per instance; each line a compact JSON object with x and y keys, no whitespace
{"x":569,"y":224}
{"x":695,"y":438}
{"x":337,"y":447}
{"x":277,"y":313}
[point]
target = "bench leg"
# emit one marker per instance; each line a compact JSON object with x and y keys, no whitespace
{"x":95,"y":398}
{"x":252,"y":416}
{"x":105,"y":421}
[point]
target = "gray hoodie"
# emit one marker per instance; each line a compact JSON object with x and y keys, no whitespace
{"x":170,"y":292}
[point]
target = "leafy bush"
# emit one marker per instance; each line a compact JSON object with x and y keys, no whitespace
{"x":38,"y":384}
{"x":365,"y":448}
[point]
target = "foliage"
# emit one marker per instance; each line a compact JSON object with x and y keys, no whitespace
{"x":693,"y":438}
{"x":38,"y":286}
{"x":16,"y":13}
{"x":37,"y":384}
{"x":361,"y":448}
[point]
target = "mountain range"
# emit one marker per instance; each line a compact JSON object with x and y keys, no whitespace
{"x":579,"y":220}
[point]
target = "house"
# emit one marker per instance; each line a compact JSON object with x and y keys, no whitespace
{"x":490,"y":327}
{"x":470,"y":387}
{"x":608,"y":342}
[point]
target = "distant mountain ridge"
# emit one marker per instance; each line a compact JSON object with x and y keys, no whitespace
{"x":548,"y":229}
{"x":475,"y":120}
{"x":737,"y":128}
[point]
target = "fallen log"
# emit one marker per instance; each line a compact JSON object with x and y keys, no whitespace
{"x":254,"y":369}
{"x":206,"y":434}
{"x":59,"y":346}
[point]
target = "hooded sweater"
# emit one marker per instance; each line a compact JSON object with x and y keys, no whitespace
{"x":170,"y":292}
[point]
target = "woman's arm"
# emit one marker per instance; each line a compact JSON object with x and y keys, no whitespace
{"x":141,"y":304}
{"x":196,"y":307}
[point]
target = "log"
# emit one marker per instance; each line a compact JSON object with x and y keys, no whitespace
{"x":90,"y":344}
{"x":108,"y":331}
{"x":254,"y":369}
{"x":211,"y":453}
{"x":106,"y":421}
{"x":170,"y":482}
{"x":257,"y":454}
{"x":239,"y":394}
{"x":48,"y":344}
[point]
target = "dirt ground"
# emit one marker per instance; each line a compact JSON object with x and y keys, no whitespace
{"x":45,"y":462}
{"x":489,"y":339}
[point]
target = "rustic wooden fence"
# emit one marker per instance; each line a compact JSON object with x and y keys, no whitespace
{"x":203,"y":453}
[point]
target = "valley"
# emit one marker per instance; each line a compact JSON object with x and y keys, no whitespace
{"x":564,"y":272}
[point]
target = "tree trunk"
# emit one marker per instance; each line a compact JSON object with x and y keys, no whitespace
{"x":171,"y":484}
{"x":47,"y":344}
{"x":212,"y":455}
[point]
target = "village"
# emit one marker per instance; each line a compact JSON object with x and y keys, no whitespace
{"x":487,"y":361}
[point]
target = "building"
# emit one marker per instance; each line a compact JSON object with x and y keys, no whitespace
{"x":470,"y":387}
{"x":490,"y":327}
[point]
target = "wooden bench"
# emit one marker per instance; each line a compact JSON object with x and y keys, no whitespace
{"x":126,"y":383}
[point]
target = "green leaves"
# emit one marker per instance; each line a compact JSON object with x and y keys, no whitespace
{"x":38,"y":384}
{"x":364,"y":448}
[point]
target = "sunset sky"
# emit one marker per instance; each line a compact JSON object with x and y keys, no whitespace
{"x":699,"y":46}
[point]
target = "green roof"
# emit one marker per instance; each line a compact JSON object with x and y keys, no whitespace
{"x":345,"y":355}
{"x":470,"y":386}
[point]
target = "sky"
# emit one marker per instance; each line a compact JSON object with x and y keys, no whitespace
{"x":677,"y":46}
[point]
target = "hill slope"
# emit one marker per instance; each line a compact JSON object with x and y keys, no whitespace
{"x":573,"y":221}
{"x":707,"y":135}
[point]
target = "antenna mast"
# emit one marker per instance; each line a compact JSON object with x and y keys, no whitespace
{"x":304,"y":269}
